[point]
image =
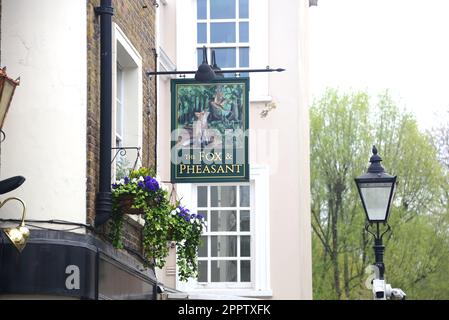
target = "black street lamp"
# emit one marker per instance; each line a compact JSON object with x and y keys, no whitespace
{"x":376,"y":189}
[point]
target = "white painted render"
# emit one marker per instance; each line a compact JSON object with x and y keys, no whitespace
{"x":44,"y":42}
{"x":279,"y":142}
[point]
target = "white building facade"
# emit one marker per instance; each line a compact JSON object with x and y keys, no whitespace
{"x":258,"y":239}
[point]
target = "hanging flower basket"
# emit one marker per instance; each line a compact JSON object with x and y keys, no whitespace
{"x":126,"y":203}
{"x":164,"y":221}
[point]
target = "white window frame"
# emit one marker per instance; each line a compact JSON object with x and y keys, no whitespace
{"x":186,"y":45}
{"x":132,"y":86}
{"x":260,"y":269}
{"x":237,"y":233}
{"x":231,"y":45}
{"x":119,"y":99}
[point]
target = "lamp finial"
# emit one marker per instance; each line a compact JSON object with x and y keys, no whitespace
{"x":375,"y":160}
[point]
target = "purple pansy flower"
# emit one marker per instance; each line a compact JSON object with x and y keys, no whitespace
{"x":152,"y":184}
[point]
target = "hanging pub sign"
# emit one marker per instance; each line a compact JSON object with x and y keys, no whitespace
{"x":209,"y":130}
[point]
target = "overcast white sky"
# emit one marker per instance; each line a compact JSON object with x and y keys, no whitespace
{"x":401,"y":45}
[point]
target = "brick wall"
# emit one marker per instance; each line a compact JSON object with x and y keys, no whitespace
{"x":0,"y":33}
{"x":138,"y":25}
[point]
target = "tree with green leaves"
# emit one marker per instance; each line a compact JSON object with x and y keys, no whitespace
{"x":344,"y":126}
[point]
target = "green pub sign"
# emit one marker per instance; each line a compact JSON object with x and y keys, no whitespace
{"x":209,"y":130}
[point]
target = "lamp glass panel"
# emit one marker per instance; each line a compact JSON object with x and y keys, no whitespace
{"x":376,"y":197}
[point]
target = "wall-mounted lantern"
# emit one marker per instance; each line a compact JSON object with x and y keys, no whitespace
{"x":7,"y":88}
{"x":18,"y":235}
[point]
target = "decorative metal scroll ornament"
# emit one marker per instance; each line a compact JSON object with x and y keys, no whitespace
{"x":122,"y":152}
{"x":18,"y":235}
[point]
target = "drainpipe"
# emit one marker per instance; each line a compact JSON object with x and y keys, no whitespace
{"x":104,"y":196}
{"x":155,"y":110}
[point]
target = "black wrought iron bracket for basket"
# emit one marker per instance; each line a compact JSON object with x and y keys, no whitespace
{"x":122,"y":151}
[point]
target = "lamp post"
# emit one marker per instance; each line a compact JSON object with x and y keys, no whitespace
{"x":376,"y":189}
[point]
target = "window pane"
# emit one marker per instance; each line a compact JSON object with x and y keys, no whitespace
{"x":201,"y":35}
{"x":119,"y":82}
{"x":244,"y":57}
{"x":243,"y":9}
{"x":223,"y":196}
{"x":225,"y":57}
{"x":244,"y":196}
{"x":118,"y":119}
{"x":245,"y":271}
{"x":244,"y":220}
{"x":224,"y":271}
{"x":223,"y":246}
{"x":203,"y":213}
{"x":202,"y":271}
{"x":118,"y":142}
{"x":223,"y":220}
{"x":201,"y":9}
{"x":222,"y":9}
{"x":243,"y":32}
{"x":245,"y":246}
{"x":222,"y":32}
{"x":199,"y":55}
{"x":119,"y":104}
{"x":202,"y":249}
{"x":202,"y":196}
{"x":244,"y":75}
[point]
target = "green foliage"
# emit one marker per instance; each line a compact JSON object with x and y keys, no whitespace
{"x":196,"y":98}
{"x":142,"y":172}
{"x":164,"y":222}
{"x":343,"y":129}
{"x":123,"y":167}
